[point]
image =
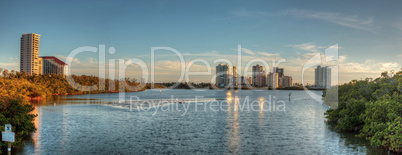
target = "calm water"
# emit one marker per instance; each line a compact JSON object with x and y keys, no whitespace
{"x":76,"y":125}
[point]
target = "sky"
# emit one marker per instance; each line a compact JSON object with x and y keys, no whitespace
{"x":368,"y":35}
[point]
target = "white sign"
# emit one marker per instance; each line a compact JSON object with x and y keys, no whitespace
{"x":8,"y":136}
{"x":8,"y":127}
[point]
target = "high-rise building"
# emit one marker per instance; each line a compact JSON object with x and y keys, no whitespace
{"x":257,"y":69}
{"x":287,"y":81}
{"x":280,"y":71}
{"x":226,"y":75}
{"x":273,"y":80}
{"x":234,"y":76}
{"x":323,"y":77}
{"x":261,"y":79}
{"x":29,"y":54}
{"x":244,"y":80}
{"x":52,"y":65}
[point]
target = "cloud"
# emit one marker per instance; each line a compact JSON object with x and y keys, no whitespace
{"x":388,"y":65}
{"x":270,"y":55}
{"x":13,"y":59}
{"x":10,"y":66}
{"x":342,"y":58}
{"x":245,"y":50}
{"x":307,"y":47}
{"x":368,"y":67}
{"x":343,"y":20}
{"x":264,"y":54}
{"x":313,"y":48}
{"x":64,"y":58}
{"x":351,"y":21}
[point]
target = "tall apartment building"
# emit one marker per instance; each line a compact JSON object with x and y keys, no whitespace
{"x":52,"y":65}
{"x":287,"y":81}
{"x":244,"y":80}
{"x":261,"y":79}
{"x":323,"y":77}
{"x":273,"y":80}
{"x":257,"y":69}
{"x":234,"y":76}
{"x":280,"y":71}
{"x":29,"y":54}
{"x":226,"y":75}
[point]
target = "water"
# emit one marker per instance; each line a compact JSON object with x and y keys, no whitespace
{"x":76,"y":125}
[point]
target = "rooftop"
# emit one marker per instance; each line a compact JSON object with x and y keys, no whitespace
{"x":55,"y":59}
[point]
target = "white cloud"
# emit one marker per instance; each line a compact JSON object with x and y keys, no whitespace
{"x":275,"y":56}
{"x":10,"y":66}
{"x":13,"y":59}
{"x":336,"y":18}
{"x":307,"y":47}
{"x":342,"y":58}
{"x":388,"y":65}
{"x":245,"y":50}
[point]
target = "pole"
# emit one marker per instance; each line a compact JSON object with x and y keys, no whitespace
{"x":9,"y":148}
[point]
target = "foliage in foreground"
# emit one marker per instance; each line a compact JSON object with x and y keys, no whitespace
{"x":15,"y":110}
{"x":371,"y":107}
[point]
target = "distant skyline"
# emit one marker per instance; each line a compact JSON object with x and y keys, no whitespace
{"x":369,"y":33}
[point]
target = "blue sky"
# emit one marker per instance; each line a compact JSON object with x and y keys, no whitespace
{"x":369,"y":33}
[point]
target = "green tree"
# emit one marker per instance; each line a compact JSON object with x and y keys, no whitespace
{"x":372,"y":107}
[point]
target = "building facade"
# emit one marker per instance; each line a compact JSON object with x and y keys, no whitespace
{"x":52,"y":65}
{"x":287,"y":81}
{"x":29,"y":54}
{"x":261,"y":79}
{"x":244,"y":80}
{"x":323,"y":77}
{"x":257,"y":69}
{"x":280,"y":71}
{"x":273,"y":80}
{"x":226,"y":75}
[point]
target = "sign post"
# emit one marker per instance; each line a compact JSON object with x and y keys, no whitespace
{"x":8,"y":136}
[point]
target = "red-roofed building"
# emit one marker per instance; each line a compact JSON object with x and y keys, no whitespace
{"x":53,"y":65}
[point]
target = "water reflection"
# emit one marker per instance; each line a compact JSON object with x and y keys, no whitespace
{"x":229,"y":97}
{"x":64,"y":128}
{"x":261,"y":113}
{"x":36,"y":138}
{"x":233,"y":123}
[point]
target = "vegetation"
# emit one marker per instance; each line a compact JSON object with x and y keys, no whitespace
{"x":16,"y":89}
{"x":55,"y":84}
{"x":371,"y":107}
{"x":186,"y":85}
